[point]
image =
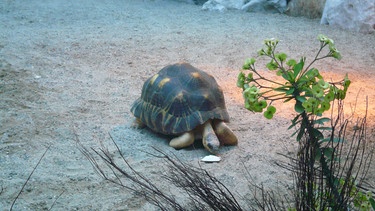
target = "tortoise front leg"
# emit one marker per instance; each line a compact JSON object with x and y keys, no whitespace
{"x":210,"y":140}
{"x":184,"y":140}
{"x":224,"y":133}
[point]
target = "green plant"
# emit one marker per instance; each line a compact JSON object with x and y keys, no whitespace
{"x":363,"y":201}
{"x":317,"y":168}
{"x":305,"y":85}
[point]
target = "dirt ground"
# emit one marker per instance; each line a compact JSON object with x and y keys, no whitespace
{"x":75,"y":67}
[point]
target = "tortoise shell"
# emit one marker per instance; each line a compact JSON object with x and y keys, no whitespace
{"x":178,"y":99}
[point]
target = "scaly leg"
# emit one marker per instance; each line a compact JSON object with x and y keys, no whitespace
{"x":224,"y":133}
{"x":138,"y":124}
{"x":182,"y":141}
{"x":210,"y":140}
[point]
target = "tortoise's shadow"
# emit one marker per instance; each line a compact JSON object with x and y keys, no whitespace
{"x":135,"y":143}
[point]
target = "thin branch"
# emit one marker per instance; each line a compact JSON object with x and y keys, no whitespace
{"x":53,"y":204}
{"x":28,"y":178}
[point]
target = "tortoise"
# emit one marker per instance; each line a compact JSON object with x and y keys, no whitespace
{"x":184,"y":101}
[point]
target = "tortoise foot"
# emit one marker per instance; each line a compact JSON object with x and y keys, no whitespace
{"x":210,"y":140}
{"x":182,"y":141}
{"x":137,"y":124}
{"x":224,"y":133}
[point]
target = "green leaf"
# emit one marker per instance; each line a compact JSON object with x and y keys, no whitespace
{"x":334,"y":140}
{"x":298,"y":107}
{"x":317,"y":134}
{"x":336,"y":55}
{"x":372,"y":202}
{"x":248,"y":63}
{"x":322,"y":120}
{"x":241,"y":80}
{"x":301,"y":99}
{"x":288,"y":99}
{"x":295,"y":121}
{"x":290,"y":91}
{"x":298,"y":67}
{"x":328,"y":153}
{"x":330,"y":96}
{"x":291,"y":126}
{"x":288,"y":76}
{"x":317,"y":91}
{"x":294,"y":133}
{"x":279,"y":72}
{"x":312,"y":73}
{"x":281,"y":89}
{"x":324,"y":85}
{"x":272,"y":109}
{"x":250,"y":77}
{"x":323,"y":38}
{"x":325,"y":106}
{"x":346,"y":81}
{"x":301,"y":132}
{"x":262,"y":103}
{"x":252,"y":61}
{"x":268,"y":114}
{"x":272,"y":65}
{"x":281,"y":56}
{"x":324,"y":128}
{"x":291,"y":62}
{"x":318,"y":154}
{"x":261,"y":52}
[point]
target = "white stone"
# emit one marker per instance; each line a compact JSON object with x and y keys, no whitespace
{"x":222,"y":5}
{"x":211,"y":159}
{"x":251,"y":6}
{"x":212,"y":5}
{"x":355,"y":15}
{"x":275,"y":6}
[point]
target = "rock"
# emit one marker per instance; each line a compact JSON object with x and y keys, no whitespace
{"x":354,"y":15}
{"x":306,"y":8}
{"x":196,"y":2}
{"x":222,"y":5}
{"x":211,"y":159}
{"x":213,"y":6}
{"x":273,"y":6}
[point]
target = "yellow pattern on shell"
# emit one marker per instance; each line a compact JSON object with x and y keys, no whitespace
{"x":180,"y":95}
{"x":195,"y":74}
{"x":154,"y":78}
{"x":163,"y":82}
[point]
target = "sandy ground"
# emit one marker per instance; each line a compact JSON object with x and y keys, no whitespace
{"x":75,"y":67}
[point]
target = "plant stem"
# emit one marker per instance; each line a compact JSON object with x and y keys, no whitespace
{"x":314,"y":145}
{"x":315,"y":59}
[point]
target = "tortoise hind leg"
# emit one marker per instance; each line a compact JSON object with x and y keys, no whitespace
{"x":137,"y":124}
{"x":184,"y":140}
{"x":210,"y":140}
{"x":224,"y":133}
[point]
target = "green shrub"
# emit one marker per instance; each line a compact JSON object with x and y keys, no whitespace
{"x":322,"y":182}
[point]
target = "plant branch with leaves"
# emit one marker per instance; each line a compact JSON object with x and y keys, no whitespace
{"x":319,"y":187}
